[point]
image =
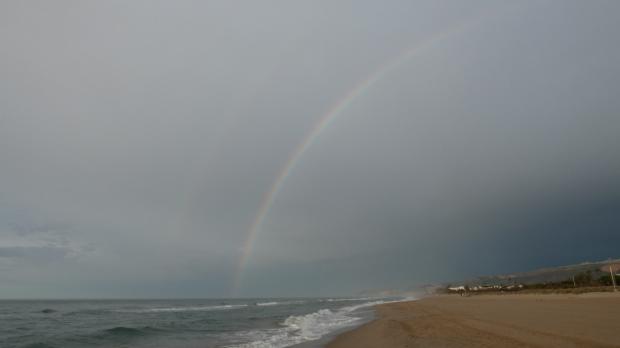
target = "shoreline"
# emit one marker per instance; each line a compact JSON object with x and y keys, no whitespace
{"x":330,"y":337}
{"x":506,"y":320}
{"x":368,"y":317}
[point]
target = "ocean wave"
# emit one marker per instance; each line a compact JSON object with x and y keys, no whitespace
{"x":353,"y":308}
{"x":124,"y":331}
{"x":183,"y":309}
{"x":297,"y":329}
{"x":267,"y":303}
{"x":275,"y":303}
{"x":93,"y":312}
{"x":38,"y":345}
{"x":349,"y":299}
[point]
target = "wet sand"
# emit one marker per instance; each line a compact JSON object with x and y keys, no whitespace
{"x":523,"y":320}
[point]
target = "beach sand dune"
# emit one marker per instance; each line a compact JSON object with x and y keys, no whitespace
{"x":589,"y":320}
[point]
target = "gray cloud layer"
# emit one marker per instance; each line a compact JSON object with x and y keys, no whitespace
{"x":137,"y":140}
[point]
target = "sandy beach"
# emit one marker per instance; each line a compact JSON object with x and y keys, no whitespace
{"x":524,"y":320}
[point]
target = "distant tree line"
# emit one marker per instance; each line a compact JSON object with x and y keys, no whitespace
{"x":586,"y":280}
{"x":582,"y":279}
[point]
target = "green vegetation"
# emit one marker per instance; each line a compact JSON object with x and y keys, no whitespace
{"x":582,"y":282}
{"x":606,"y":280}
{"x":584,"y":279}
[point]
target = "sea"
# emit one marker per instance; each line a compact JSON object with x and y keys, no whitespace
{"x":242,"y":323}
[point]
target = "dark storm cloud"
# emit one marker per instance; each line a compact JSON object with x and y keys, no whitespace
{"x":137,"y":141}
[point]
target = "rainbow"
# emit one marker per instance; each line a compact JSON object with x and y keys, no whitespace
{"x":324,"y":122}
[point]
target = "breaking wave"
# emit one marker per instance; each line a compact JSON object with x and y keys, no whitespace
{"x":275,"y":303}
{"x":267,"y":303}
{"x":349,"y":299}
{"x":183,"y":309}
{"x":297,"y":329}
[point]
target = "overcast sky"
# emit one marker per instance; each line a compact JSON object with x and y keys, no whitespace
{"x":138,"y":138}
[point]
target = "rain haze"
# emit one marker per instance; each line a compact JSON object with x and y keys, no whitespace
{"x":306,"y":148}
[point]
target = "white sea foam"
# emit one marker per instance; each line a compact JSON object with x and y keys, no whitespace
{"x":267,"y":303}
{"x":275,"y":303}
{"x":303,"y":328}
{"x":350,"y":299}
{"x":183,"y":309}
